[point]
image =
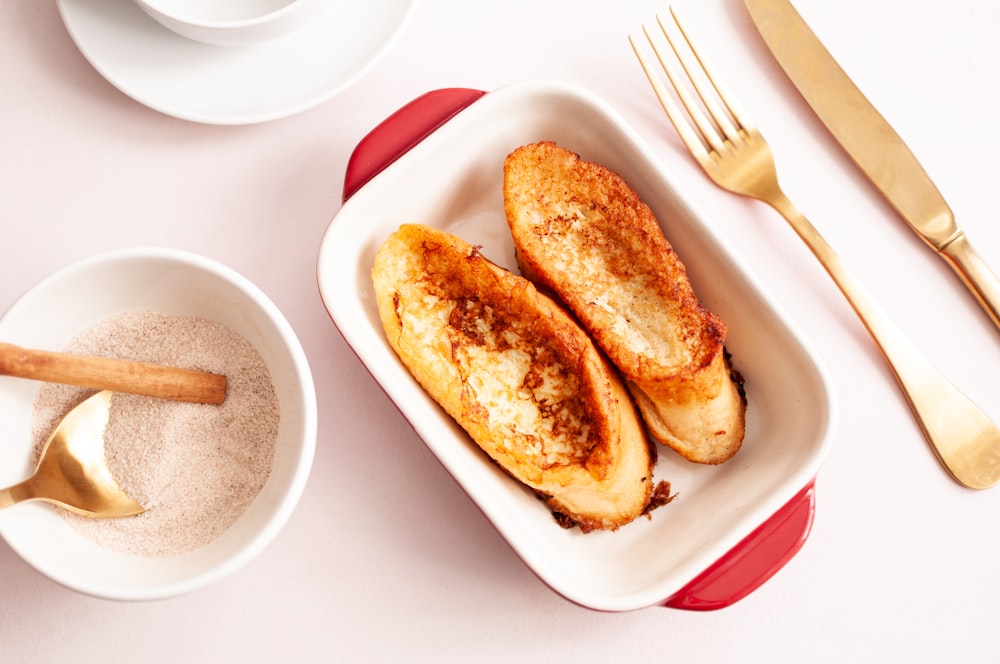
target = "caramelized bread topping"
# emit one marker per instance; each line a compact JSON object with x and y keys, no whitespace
{"x":518,"y":373}
{"x":583,"y":234}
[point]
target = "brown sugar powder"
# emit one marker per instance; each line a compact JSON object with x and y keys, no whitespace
{"x":194,"y":467}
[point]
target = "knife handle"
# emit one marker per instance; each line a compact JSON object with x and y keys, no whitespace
{"x":976,"y":274}
{"x":962,"y":436}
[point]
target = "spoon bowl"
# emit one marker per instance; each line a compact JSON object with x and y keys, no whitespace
{"x":72,"y":471}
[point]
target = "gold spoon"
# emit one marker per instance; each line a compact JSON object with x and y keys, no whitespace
{"x":73,"y":472}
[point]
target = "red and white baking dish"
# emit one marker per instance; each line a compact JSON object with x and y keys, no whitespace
{"x":439,"y":161}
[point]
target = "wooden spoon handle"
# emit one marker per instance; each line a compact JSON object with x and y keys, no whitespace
{"x":103,"y":373}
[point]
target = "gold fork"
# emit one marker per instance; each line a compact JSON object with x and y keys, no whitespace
{"x":735,"y":156}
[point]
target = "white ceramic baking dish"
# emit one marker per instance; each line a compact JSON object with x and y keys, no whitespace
{"x":438,"y":161}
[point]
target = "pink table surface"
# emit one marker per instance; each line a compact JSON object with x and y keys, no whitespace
{"x":386,"y":559}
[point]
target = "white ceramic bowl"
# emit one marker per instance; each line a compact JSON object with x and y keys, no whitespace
{"x":452,"y":179}
{"x":233,"y":22}
{"x":169,"y":282}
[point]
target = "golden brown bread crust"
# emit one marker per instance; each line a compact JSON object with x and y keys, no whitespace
{"x":582,"y":233}
{"x":517,"y":373}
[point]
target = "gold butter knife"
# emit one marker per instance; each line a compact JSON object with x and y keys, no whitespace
{"x":873,"y":145}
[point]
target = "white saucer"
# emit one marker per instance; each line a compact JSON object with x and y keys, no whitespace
{"x":233,"y":85}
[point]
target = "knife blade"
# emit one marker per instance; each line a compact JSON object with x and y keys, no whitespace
{"x":872,"y":143}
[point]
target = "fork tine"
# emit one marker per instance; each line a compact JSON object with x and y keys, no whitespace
{"x":696,"y":75}
{"x":709,"y":131}
{"x":689,"y":136}
{"x":721,"y":93}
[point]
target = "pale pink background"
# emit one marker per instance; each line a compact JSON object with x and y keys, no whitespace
{"x":386,"y":559}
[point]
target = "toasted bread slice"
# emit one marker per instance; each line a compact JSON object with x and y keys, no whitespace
{"x":582,"y":233}
{"x":518,"y":374}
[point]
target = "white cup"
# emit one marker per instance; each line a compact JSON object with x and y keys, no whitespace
{"x":233,"y":22}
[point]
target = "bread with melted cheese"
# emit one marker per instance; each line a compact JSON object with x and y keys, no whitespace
{"x":518,"y":374}
{"x":583,"y":234}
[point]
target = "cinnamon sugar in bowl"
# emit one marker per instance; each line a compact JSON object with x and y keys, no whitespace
{"x":240,"y":467}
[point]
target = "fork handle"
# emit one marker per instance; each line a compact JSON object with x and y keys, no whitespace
{"x":976,"y":274}
{"x":965,"y":440}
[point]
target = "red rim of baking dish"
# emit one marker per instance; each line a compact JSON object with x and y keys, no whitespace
{"x":743,"y":568}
